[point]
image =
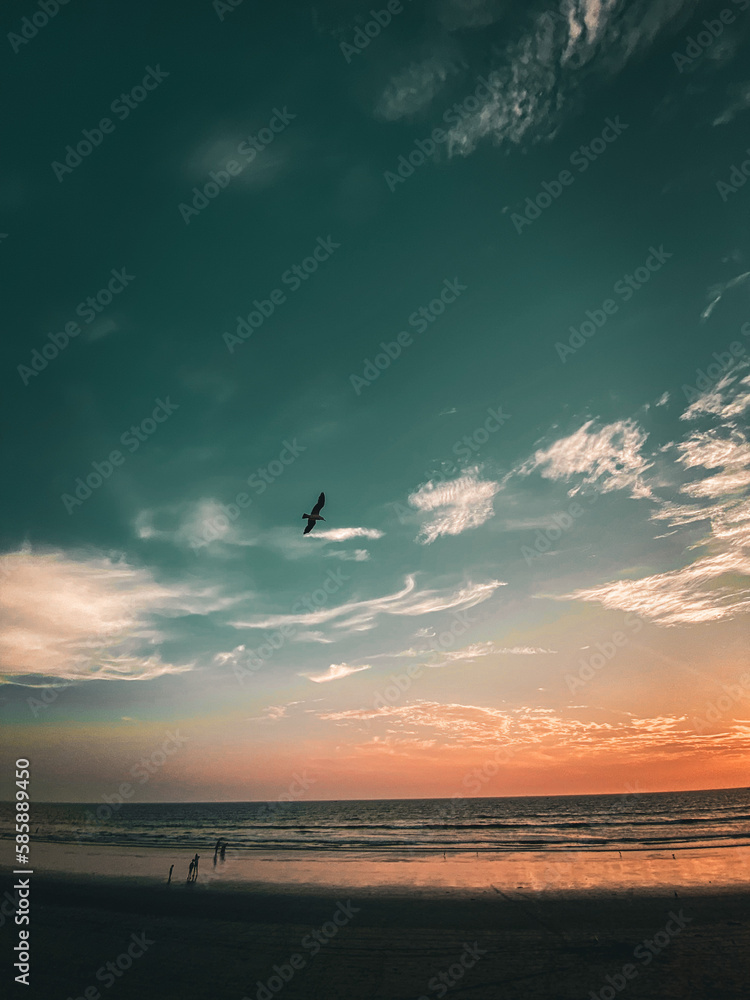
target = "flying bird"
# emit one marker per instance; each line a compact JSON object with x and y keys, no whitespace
{"x":315,"y":515}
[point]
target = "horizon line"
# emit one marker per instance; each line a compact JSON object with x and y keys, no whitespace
{"x":432,"y":798}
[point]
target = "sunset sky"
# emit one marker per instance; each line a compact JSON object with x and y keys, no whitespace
{"x":514,"y":354}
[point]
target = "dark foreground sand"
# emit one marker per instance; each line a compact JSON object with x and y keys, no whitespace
{"x":220,"y":943}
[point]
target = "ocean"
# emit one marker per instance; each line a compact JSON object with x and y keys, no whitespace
{"x":719,"y":818}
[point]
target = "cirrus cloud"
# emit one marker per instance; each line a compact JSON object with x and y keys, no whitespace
{"x":336,"y":672}
{"x":455,"y":506}
{"x":538,"y":80}
{"x":535,"y":732}
{"x":609,"y":457}
{"x":88,"y":618}
{"x":359,"y":615}
{"x":713,"y":586}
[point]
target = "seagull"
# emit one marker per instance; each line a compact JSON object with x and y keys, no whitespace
{"x":315,"y":516}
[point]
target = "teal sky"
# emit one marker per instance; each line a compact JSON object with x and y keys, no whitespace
{"x":555,"y":495}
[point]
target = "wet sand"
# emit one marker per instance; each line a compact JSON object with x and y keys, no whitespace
{"x":682,"y":869}
{"x":234,"y":940}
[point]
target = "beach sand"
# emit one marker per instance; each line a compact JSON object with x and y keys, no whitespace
{"x":221,"y":940}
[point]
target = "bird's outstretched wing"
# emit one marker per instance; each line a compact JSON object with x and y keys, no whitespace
{"x":319,"y":505}
{"x":309,"y":528}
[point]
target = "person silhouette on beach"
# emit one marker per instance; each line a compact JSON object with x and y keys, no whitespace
{"x":170,"y":874}
{"x":196,"y":859}
{"x":191,"y":870}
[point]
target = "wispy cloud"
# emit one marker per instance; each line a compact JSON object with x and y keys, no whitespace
{"x":717,"y":292}
{"x":312,"y":636}
{"x":240,"y":657}
{"x":407,"y":601}
{"x":609,"y":457}
{"x":713,"y":587}
{"x":740,"y":101}
{"x":189,"y":524}
{"x":336,"y":672}
{"x":729,"y":398}
{"x":685,"y":596}
{"x":272,"y":713}
{"x":415,"y":87}
{"x":455,"y":506}
{"x":533,"y":732}
{"x":198,"y":524}
{"x":358,"y":555}
{"x":523,"y":650}
{"x":720,"y":485}
{"x":101,"y":329}
{"x":216,"y":151}
{"x":539,"y":78}
{"x":472,"y":652}
{"x":711,"y":449}
{"x":343,"y":534}
{"x":89,"y":617}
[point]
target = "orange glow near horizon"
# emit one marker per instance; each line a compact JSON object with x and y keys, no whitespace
{"x":413,"y":751}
